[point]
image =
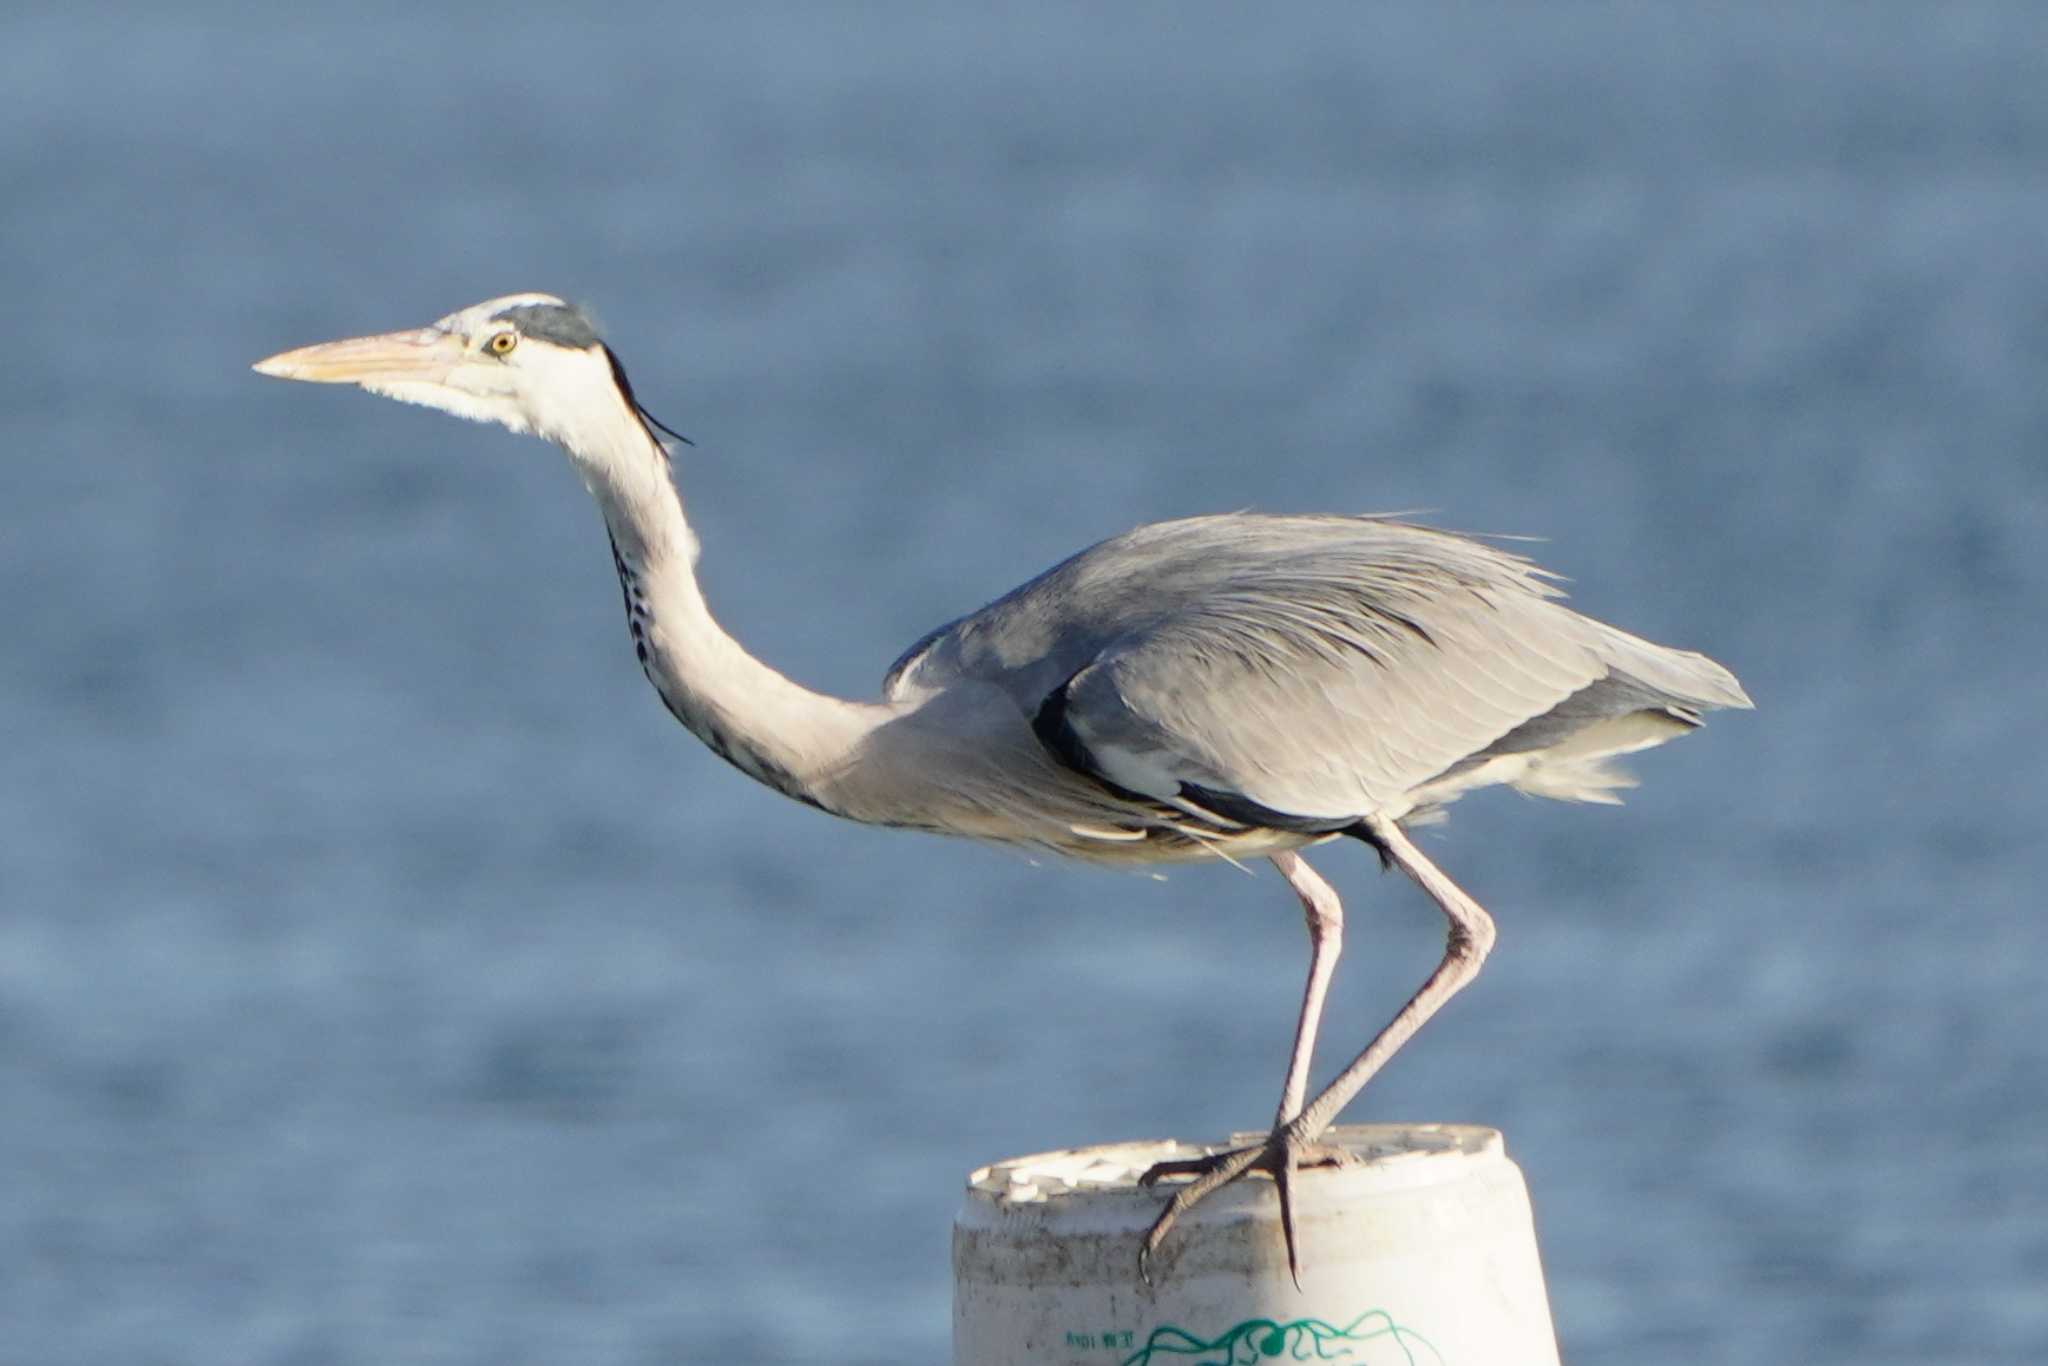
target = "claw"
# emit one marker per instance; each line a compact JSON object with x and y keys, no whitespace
{"x":1210,"y":1173}
{"x":1283,"y":1179}
{"x":1279,"y":1156}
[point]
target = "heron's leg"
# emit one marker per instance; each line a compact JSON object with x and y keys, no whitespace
{"x":1293,"y":1144}
{"x":1325,"y":941}
{"x":1471,"y":937}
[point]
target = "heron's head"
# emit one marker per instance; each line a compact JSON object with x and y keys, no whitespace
{"x":529,"y":361}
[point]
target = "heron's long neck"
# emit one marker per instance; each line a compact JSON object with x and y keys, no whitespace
{"x":767,"y":726}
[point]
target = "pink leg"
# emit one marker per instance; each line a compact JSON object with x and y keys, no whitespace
{"x":1325,"y":942}
{"x":1292,"y":1143}
{"x":1471,"y":936}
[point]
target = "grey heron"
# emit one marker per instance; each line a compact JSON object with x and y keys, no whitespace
{"x":1217,"y":687}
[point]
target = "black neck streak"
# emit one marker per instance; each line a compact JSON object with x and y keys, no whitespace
{"x":703,"y":722}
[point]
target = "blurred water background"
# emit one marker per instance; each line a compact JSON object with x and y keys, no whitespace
{"x":385,"y":978}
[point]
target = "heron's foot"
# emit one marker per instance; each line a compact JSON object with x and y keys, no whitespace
{"x":1284,"y":1152}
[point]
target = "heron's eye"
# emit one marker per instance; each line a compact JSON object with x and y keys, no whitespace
{"x":502,"y":344}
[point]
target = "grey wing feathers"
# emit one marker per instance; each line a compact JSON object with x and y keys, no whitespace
{"x":1315,"y":669}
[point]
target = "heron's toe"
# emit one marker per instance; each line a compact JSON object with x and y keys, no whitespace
{"x":1284,"y":1152}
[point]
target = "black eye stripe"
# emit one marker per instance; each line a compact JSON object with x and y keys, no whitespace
{"x":558,"y":323}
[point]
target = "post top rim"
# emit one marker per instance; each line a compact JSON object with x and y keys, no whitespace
{"x":1389,"y":1154}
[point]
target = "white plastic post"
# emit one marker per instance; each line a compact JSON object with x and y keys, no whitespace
{"x":1422,"y":1253}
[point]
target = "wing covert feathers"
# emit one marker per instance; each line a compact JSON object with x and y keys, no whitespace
{"x":1318,"y":669}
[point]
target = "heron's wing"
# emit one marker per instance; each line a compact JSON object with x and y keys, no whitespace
{"x":1308,"y":671}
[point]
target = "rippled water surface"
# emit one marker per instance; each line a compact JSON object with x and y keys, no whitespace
{"x":385,"y":978}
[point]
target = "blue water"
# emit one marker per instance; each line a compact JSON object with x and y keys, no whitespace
{"x":385,"y":978}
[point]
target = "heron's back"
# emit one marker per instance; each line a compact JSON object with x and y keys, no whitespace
{"x":1265,"y":669}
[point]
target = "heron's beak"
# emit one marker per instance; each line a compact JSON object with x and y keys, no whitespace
{"x":425,"y":355}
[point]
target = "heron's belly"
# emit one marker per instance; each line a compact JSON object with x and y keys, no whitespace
{"x":966,"y":762}
{"x":1134,"y":845}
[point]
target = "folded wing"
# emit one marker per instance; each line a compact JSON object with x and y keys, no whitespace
{"x":1302,"y":672}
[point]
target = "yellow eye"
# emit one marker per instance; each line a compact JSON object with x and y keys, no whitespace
{"x":503,"y":343}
